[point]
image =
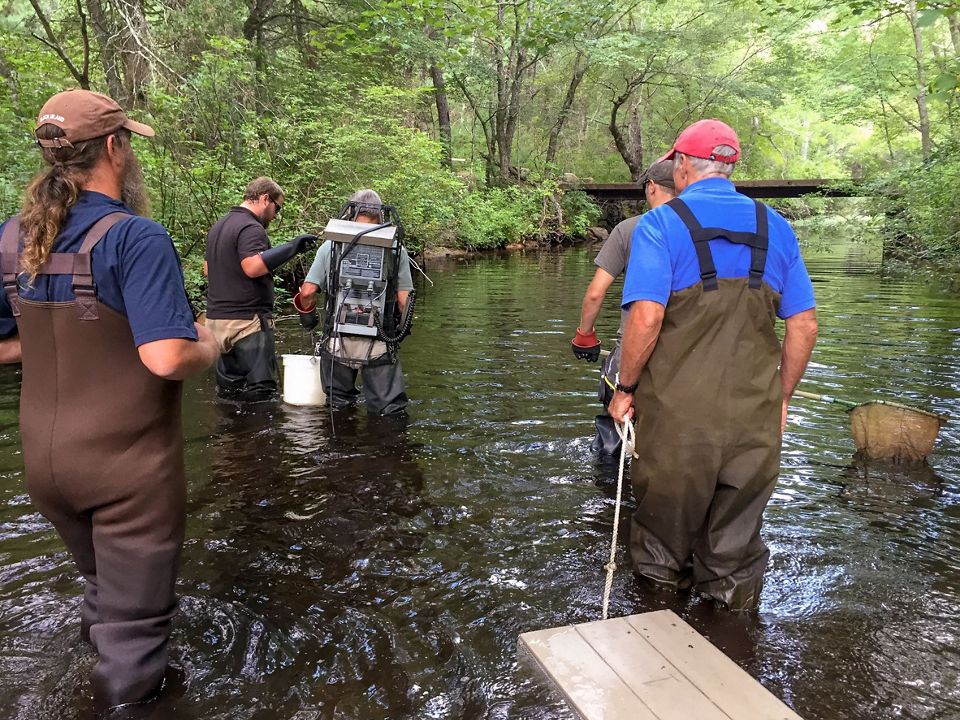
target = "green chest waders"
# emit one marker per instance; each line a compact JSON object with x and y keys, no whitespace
{"x":708,"y":428}
{"x":103,"y":459}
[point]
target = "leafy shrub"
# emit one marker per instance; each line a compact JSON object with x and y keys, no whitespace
{"x":920,"y":209}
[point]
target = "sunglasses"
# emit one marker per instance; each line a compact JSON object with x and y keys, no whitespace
{"x":277,"y":205}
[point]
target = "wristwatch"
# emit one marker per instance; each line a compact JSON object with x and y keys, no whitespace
{"x":628,"y":389}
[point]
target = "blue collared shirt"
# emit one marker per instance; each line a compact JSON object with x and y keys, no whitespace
{"x":135,"y":268}
{"x":663,"y":259}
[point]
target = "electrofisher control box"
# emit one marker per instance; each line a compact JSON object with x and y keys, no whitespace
{"x":361,"y":271}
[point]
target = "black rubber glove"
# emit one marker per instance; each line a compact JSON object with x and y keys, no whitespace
{"x":586,"y":346}
{"x":309,"y":320}
{"x":304,"y":243}
{"x":277,"y":256}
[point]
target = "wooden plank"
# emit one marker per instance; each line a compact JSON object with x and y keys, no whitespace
{"x":730,"y":687}
{"x":652,"y":666}
{"x":590,"y":687}
{"x":661,"y":686}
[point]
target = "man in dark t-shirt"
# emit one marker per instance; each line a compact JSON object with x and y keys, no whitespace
{"x":611,"y":262}
{"x":238,"y":264}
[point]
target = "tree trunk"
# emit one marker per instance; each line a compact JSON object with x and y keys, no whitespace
{"x":110,"y":53}
{"x":443,"y":114}
{"x":623,"y":145}
{"x":136,"y":43}
{"x":635,"y":140}
{"x":253,"y":31}
{"x":954,"y":22}
{"x":580,"y":66}
{"x":926,"y":143}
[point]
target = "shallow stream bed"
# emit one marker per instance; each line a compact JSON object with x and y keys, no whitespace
{"x":364,"y":568}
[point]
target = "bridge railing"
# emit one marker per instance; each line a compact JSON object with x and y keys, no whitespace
{"x":753,"y":188}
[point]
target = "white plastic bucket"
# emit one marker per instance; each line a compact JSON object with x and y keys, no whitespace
{"x":301,"y":380}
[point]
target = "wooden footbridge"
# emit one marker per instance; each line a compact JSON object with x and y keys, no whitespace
{"x":619,"y":200}
{"x":632,"y":192}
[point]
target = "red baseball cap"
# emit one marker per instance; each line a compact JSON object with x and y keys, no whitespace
{"x":84,"y":115}
{"x":699,"y":140}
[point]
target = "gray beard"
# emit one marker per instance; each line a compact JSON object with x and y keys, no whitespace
{"x":133,"y":189}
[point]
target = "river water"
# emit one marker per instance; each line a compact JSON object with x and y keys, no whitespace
{"x":364,"y":568}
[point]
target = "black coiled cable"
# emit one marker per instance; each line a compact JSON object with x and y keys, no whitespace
{"x":406,"y":322}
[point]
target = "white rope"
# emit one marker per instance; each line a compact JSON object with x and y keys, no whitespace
{"x":420,"y":270}
{"x":628,"y":439}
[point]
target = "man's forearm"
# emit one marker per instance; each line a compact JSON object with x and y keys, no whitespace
{"x":10,"y":350}
{"x":798,"y":342}
{"x":589,"y":312}
{"x":194,"y":358}
{"x":639,"y":338}
{"x":593,"y":299}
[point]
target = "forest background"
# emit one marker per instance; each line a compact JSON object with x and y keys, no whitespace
{"x":467,"y":114}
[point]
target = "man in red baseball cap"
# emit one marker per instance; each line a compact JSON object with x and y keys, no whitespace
{"x":709,"y":140}
{"x":94,"y":302}
{"x":710,"y":272}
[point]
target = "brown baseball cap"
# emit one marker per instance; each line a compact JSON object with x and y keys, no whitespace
{"x":84,"y":115}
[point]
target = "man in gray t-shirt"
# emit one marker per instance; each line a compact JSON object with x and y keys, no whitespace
{"x":611,"y":263}
{"x":344,"y":356}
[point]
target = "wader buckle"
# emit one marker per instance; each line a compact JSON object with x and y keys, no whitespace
{"x":86,"y":302}
{"x":13,"y":295}
{"x":709,"y":279}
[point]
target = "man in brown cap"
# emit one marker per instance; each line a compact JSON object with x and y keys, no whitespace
{"x":94,"y":296}
{"x":611,"y":262}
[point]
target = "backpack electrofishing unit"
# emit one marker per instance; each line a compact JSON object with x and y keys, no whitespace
{"x":362,"y":285}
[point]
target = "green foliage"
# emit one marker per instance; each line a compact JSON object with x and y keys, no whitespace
{"x":920,"y":208}
{"x":496,"y":217}
{"x":579,"y":213}
{"x":330,"y":97}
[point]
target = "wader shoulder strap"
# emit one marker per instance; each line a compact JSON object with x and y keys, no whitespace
{"x":708,"y":270}
{"x":9,"y":262}
{"x":701,"y":236}
{"x":83,"y":287}
{"x":758,"y":250}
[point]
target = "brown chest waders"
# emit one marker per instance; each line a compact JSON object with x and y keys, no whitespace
{"x":103,"y":458}
{"x":708,"y":422}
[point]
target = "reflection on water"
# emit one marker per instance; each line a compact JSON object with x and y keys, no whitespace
{"x":357,"y":567}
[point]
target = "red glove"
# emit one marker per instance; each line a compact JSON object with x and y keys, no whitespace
{"x":586,"y":346}
{"x":308,"y":316}
{"x":298,"y":305}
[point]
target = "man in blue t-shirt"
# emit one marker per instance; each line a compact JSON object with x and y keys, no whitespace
{"x":709,"y":274}
{"x":95,"y":305}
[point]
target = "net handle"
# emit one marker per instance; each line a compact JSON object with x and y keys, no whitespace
{"x":848,"y":404}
